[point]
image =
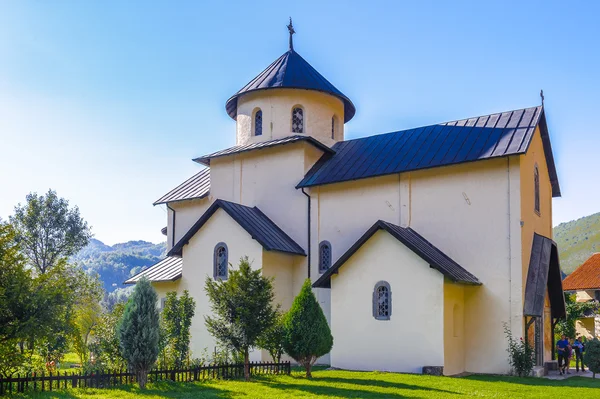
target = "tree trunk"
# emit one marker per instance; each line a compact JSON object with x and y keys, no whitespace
{"x":142,"y":376}
{"x":307,"y":367}
{"x":246,"y":365}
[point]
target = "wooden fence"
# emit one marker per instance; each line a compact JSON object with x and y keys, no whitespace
{"x":105,"y":379}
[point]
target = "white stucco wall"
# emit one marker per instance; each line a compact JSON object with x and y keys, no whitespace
{"x":186,"y":214}
{"x":414,"y":335}
{"x":198,"y":264}
{"x":277,"y":105}
{"x":267,"y":179}
{"x":471,"y":212}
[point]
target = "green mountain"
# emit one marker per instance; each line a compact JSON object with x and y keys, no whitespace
{"x":577,"y":240}
{"x":117,"y":263}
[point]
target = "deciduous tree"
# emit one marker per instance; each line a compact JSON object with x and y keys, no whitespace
{"x":243,"y":309}
{"x":177,"y":315}
{"x":272,"y":339}
{"x":48,"y":230}
{"x":307,"y":334}
{"x":575,"y":310}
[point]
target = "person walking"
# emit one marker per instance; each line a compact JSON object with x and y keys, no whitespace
{"x":563,"y":357}
{"x":569,"y":354}
{"x":579,"y":348}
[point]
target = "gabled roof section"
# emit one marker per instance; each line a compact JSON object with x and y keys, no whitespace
{"x":543,"y":276}
{"x":256,"y":223}
{"x":466,"y":140}
{"x":416,"y":243}
{"x":291,"y":71}
{"x":196,"y":187}
{"x":205,"y":160}
{"x":168,"y":269}
{"x":585,"y":277}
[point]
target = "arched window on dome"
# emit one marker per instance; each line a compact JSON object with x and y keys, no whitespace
{"x":536,"y":188}
{"x":220,"y":271}
{"x":382,"y":301}
{"x":258,"y":122}
{"x":297,"y":120}
{"x":334,"y":126}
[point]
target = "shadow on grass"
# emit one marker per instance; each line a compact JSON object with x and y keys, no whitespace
{"x":167,"y":390}
{"x":361,"y":389}
{"x":380,"y":383}
{"x":574,"y":382}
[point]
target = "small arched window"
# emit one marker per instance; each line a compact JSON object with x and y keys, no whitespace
{"x":297,"y":120}
{"x":258,"y":123}
{"x":333,"y":127}
{"x":382,"y":301}
{"x":536,"y":188}
{"x":221,"y":261}
{"x":324,"y":256}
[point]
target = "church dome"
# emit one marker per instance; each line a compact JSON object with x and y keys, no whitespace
{"x":291,"y":71}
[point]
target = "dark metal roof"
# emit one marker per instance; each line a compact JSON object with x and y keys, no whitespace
{"x":205,"y":160}
{"x":197,"y":186}
{"x":416,"y":243}
{"x":168,"y":269}
{"x":256,"y":223}
{"x":544,"y":274}
{"x":467,"y":140}
{"x":291,"y":71}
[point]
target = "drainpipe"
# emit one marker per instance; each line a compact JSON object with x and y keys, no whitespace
{"x":173,"y":233}
{"x":308,"y":223}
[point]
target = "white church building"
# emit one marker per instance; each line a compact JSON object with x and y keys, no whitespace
{"x":421,"y":244}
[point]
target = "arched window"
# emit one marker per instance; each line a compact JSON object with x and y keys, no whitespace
{"x":382,"y":301}
{"x":220,"y":261}
{"x":536,"y":188}
{"x":297,"y":120}
{"x":333,"y":127}
{"x":324,"y":256}
{"x":258,"y":123}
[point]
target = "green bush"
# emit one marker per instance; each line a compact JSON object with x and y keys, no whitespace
{"x":307,"y":334}
{"x":520,"y":354}
{"x":591,"y":356}
{"x":139,"y":331}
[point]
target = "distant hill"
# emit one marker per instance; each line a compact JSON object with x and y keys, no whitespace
{"x":117,"y":263}
{"x":577,"y":240}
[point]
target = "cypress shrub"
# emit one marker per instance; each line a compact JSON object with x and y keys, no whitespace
{"x":307,"y":334}
{"x":139,"y":331}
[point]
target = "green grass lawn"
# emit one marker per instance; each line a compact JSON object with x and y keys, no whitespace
{"x":347,"y":384}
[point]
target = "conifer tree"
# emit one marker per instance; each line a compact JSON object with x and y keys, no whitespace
{"x":591,"y":356}
{"x":307,"y":334}
{"x":243,"y":309}
{"x":139,"y":331}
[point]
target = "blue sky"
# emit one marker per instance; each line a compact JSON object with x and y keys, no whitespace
{"x":107,"y":101}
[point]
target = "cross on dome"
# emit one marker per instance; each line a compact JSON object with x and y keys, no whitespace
{"x":292,"y":31}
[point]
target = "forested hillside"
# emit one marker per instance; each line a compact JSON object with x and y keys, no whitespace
{"x":117,"y":263}
{"x":577,"y":240}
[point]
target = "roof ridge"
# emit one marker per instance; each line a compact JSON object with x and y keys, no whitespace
{"x":439,"y":123}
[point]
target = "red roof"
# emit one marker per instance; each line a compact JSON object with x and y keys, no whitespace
{"x":585,"y":277}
